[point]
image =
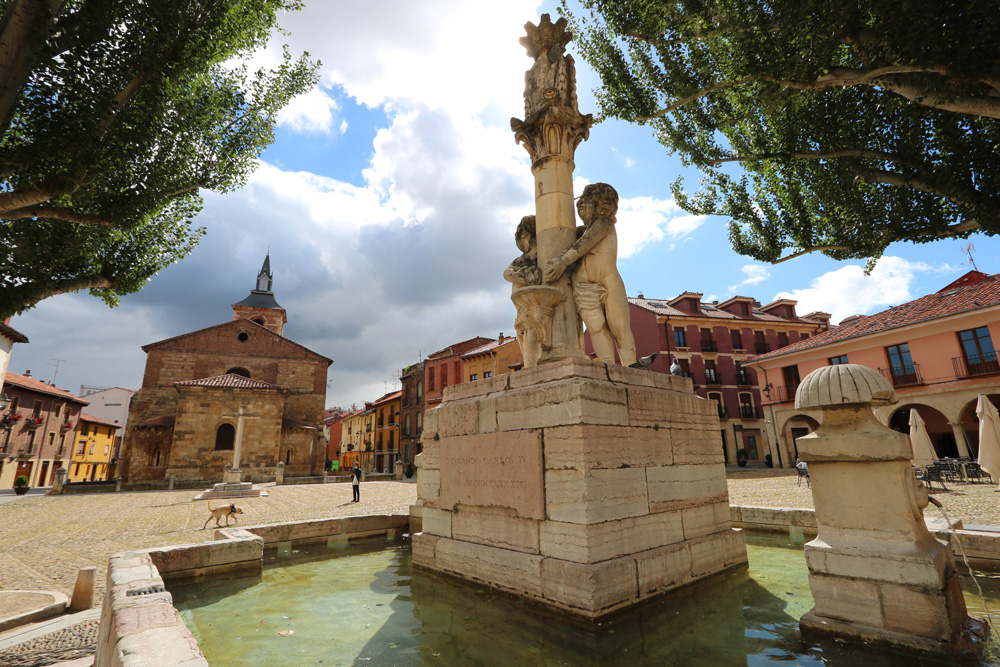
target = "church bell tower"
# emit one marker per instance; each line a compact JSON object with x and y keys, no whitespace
{"x":260,"y":307}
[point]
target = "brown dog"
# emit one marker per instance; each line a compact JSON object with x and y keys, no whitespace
{"x":219,"y":512}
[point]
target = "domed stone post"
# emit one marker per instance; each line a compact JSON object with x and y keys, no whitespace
{"x":876,"y":573}
{"x":551,"y":130}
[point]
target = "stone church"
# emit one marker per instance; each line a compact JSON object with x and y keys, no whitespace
{"x":234,"y":389}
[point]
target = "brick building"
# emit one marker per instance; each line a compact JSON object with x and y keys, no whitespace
{"x":711,"y":342}
{"x":37,"y":430}
{"x":202,"y":390}
{"x":411,"y":412}
{"x":497,"y":357}
{"x":444,"y":368}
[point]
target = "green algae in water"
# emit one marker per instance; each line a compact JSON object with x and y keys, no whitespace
{"x":360,"y":604}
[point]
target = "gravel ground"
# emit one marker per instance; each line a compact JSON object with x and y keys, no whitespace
{"x":972,"y":503}
{"x":76,"y":641}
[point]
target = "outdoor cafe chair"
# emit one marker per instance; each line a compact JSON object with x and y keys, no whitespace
{"x":803,"y":474}
{"x":974,"y":472}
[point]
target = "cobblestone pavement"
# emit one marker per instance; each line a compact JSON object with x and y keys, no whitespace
{"x":972,"y":503}
{"x":45,"y":540}
{"x":76,"y":641}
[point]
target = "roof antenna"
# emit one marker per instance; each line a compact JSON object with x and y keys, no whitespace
{"x":968,"y":250}
{"x":56,"y":372}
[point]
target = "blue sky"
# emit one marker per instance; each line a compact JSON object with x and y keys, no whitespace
{"x":389,"y":200}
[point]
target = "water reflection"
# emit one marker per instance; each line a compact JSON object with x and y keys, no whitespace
{"x":361,"y":604}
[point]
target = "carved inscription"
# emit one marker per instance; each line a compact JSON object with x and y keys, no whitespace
{"x":494,"y":470}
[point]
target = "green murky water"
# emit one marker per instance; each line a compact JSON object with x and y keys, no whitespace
{"x":360,"y":604}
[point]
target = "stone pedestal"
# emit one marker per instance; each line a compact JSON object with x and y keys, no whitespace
{"x":583,"y":487}
{"x":231,"y":490}
{"x":876,"y":573}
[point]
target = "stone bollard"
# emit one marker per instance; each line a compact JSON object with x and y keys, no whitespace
{"x":83,"y":591}
{"x":279,"y":477}
{"x":118,"y":484}
{"x":325,"y":475}
{"x":876,"y":573}
{"x":59,"y":482}
{"x":399,"y":468}
{"x":170,"y":483}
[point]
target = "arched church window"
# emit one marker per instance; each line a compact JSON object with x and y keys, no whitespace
{"x":225,"y":436}
{"x":258,"y":320}
{"x":239,"y":371}
{"x":288,"y":457}
{"x":154,"y":458}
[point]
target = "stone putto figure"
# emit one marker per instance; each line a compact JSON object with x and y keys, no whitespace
{"x":598,"y":288}
{"x":524,"y":272}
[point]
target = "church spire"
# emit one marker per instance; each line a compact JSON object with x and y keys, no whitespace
{"x":264,"y":277}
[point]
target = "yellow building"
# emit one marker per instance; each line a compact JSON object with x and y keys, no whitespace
{"x":494,"y":358}
{"x":356,"y":439}
{"x":387,"y":431}
{"x":95,"y":443}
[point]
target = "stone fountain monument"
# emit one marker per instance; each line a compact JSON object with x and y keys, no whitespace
{"x":876,"y":573}
{"x":583,"y":486}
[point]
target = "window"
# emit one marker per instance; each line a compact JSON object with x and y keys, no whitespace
{"x":36,"y":411}
{"x":473,"y":377}
{"x":57,"y":409}
{"x":80,"y":446}
{"x":707,"y":343}
{"x":52,"y":439}
{"x":680,"y":340}
{"x":14,"y":404}
{"x":288,"y":457}
{"x":782,"y":338}
{"x":487,"y":374}
{"x":714,"y":396}
{"x":31,"y":441}
{"x":239,"y":371}
{"x":737,"y":338}
{"x":837,"y":361}
{"x":711,"y":373}
{"x":760,"y":344}
{"x":977,"y":348}
{"x":92,"y":448}
{"x":899,"y":359}
{"x":105,"y":450}
{"x":420,"y":423}
{"x":225,"y":436}
{"x":420,"y":391}
{"x":791,"y":376}
{"x":430,"y":379}
{"x":747,"y":410}
{"x":77,"y":473}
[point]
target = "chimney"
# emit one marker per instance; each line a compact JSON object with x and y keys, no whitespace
{"x":500,"y":339}
{"x":27,"y":374}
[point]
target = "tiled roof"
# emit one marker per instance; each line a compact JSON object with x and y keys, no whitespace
{"x":31,"y":384}
{"x":391,"y":396}
{"x":972,"y":296}
{"x":96,"y":420}
{"x":235,"y":324}
{"x":464,"y":345}
{"x":229,"y":381}
{"x":492,"y":345}
{"x":12,"y":334}
{"x":661,"y":307}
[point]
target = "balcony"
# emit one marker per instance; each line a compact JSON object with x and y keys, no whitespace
{"x":722,"y":413}
{"x":749,"y":412}
{"x":903,"y":376}
{"x":708,"y":345}
{"x":784,"y":394}
{"x":743,"y":378}
{"x":712,"y":376}
{"x":975,"y":365}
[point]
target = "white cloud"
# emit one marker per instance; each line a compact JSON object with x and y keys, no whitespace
{"x":848,"y":291}
{"x":311,"y":112}
{"x":755,"y":274}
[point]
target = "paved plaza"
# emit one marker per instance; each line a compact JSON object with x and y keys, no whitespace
{"x":45,"y":540}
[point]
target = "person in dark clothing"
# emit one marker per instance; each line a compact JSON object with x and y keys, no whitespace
{"x":356,"y":483}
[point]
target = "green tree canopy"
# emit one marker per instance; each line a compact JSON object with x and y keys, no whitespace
{"x":114,"y":114}
{"x":857,"y":124}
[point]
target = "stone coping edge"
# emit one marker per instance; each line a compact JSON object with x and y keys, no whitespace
{"x":56,"y":607}
{"x":981,"y":547}
{"x":139,"y":624}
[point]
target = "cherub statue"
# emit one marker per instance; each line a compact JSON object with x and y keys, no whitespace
{"x":597,"y":286}
{"x":524,"y":272}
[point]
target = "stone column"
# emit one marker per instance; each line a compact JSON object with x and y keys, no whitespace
{"x":959,"y":431}
{"x":83,"y":591}
{"x":551,"y":130}
{"x":279,"y":477}
{"x":876,"y":573}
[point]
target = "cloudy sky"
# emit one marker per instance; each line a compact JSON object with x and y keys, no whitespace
{"x":389,"y":201}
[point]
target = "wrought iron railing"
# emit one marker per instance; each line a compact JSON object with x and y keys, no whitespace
{"x":708,"y":345}
{"x":742,"y":377}
{"x":712,"y":376}
{"x":976,"y":364}
{"x":749,"y":412}
{"x":784,"y":394}
{"x":906,"y":375}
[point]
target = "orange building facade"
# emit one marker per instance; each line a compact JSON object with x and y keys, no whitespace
{"x":938,"y":351}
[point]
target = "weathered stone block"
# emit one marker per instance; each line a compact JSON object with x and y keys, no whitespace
{"x":429,"y":485}
{"x":436,"y":521}
{"x":596,"y":542}
{"x":509,"y":570}
{"x":560,"y":370}
{"x":598,"y":495}
{"x":494,"y":470}
{"x":916,"y":611}
{"x":458,"y":418}
{"x":708,"y":555}
{"x":664,"y":568}
{"x":879,"y":566}
{"x":678,"y":486}
{"x":648,"y":406}
{"x":851,"y":600}
{"x":590,"y":587}
{"x":423,"y":548}
{"x":589,"y":446}
{"x":645,"y":378}
{"x":562,"y":403}
{"x":496,"y":527}
{"x":705,"y":520}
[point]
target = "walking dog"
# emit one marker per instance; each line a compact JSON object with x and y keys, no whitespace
{"x":219,"y":512}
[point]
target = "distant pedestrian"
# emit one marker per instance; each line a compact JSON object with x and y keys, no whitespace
{"x":356,"y":483}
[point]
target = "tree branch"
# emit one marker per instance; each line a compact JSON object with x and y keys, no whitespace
{"x":900,"y":181}
{"x":806,"y":251}
{"x":829,"y":155}
{"x":24,"y":296}
{"x":692,"y":98}
{"x":24,"y":28}
{"x":57,"y":213}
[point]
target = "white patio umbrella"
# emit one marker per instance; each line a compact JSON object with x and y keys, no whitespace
{"x":989,"y":437}
{"x":923,"y":450}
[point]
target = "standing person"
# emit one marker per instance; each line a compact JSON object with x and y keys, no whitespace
{"x":356,"y":483}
